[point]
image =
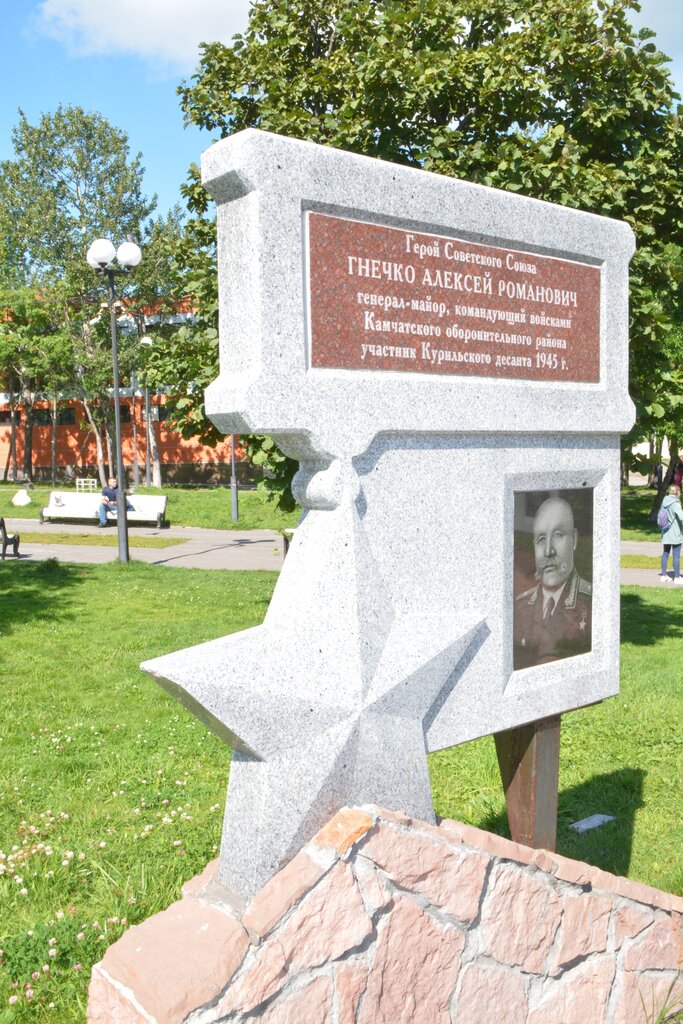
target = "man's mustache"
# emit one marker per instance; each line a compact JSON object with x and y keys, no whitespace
{"x":550,"y":564}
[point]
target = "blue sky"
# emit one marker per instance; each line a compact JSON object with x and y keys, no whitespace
{"x":126,"y":59}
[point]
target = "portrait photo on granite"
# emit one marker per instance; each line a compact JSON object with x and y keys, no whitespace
{"x":553,"y":575}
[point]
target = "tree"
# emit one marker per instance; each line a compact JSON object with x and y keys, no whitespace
{"x":35,"y":356}
{"x":667,"y":420}
{"x":563,"y":102}
{"x":153,"y":305}
{"x":71,"y":180}
{"x":186,"y":359}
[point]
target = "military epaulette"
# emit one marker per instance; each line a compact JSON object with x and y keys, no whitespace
{"x":585,"y":587}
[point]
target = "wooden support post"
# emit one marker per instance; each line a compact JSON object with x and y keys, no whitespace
{"x":529,"y":762}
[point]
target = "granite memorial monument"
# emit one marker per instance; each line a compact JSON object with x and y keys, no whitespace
{"x":449,"y":365}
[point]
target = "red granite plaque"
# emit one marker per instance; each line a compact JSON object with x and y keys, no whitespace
{"x":386,"y":298}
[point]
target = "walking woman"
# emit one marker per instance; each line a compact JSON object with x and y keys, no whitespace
{"x":672,"y":534}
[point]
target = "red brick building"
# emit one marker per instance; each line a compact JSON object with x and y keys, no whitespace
{"x":182,"y":461}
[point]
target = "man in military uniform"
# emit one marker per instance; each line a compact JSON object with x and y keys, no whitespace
{"x":553,"y":619}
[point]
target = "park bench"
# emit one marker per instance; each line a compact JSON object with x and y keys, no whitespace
{"x":147,"y":508}
{"x":8,"y":540}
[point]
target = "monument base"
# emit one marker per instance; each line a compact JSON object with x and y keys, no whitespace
{"x":382,"y":918}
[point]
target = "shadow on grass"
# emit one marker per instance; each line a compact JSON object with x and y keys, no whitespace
{"x":618,"y":793}
{"x":35,"y":591}
{"x":636,"y":509}
{"x":644,"y":622}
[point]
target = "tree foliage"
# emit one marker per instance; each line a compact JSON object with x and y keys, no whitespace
{"x":35,"y":352}
{"x":71,"y":180}
{"x":186,"y":360}
{"x":563,"y":102}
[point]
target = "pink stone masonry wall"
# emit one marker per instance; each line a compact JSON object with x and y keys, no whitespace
{"x":386,"y":920}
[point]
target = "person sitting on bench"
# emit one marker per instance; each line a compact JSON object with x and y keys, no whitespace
{"x":109,"y":500}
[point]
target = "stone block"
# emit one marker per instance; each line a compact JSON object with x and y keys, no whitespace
{"x":262,"y":978}
{"x":414,"y":969}
{"x":495,"y":845}
{"x":345,"y":829}
{"x":311,"y":1004}
{"x":545,"y":861}
{"x":110,"y":1003}
{"x":328,"y":924}
{"x":372,"y":887}
{"x":178,"y":959}
{"x":629,"y":921}
{"x":630,"y":890}
{"x":205,"y":878}
{"x":281,"y":893}
{"x":583,"y":931}
{"x":573,"y":871}
{"x":520,"y":917}
{"x":350,"y":980}
{"x":487,"y":994}
{"x":657,"y":948}
{"x":449,"y":878}
{"x":642,"y":996}
{"x":578,"y":997}
{"x":398,"y":817}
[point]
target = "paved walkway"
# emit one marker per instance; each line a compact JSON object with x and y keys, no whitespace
{"x":644,"y":577}
{"x":228,"y":549}
{"x":200,"y":549}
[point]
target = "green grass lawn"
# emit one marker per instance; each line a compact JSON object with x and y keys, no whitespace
{"x":40,"y":496}
{"x":207,"y":507}
{"x":641,"y":562}
{"x":112,"y":795}
{"x":210,"y":508}
{"x":108,"y":539}
{"x":636,"y":503}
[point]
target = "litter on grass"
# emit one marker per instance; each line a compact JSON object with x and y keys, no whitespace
{"x":594,"y":821}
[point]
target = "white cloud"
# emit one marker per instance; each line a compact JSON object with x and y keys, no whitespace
{"x":165,"y":32}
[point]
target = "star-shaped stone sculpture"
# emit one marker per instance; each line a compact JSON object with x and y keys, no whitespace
{"x":324,"y":703}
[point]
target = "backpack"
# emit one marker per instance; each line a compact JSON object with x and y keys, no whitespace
{"x":663,"y":519}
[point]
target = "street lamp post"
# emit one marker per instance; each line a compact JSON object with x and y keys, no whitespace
{"x":100,"y":256}
{"x":148,"y":343}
